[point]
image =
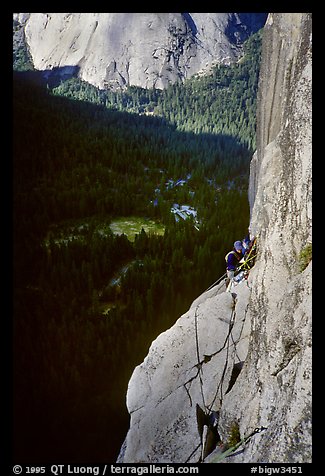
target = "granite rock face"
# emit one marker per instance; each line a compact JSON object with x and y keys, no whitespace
{"x":190,"y":364}
{"x":263,"y":328}
{"x":114,"y":50}
{"x":277,"y":392}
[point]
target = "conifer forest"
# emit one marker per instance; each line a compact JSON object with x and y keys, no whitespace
{"x":88,"y":301}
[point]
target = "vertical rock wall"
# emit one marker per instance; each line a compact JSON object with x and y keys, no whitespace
{"x":276,"y":381}
{"x":263,"y":329}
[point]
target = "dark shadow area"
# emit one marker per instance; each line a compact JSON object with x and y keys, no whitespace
{"x":237,"y":368}
{"x":252,"y":22}
{"x":49,"y":77}
{"x":55,"y":76}
{"x":190,"y":22}
{"x":71,"y":366}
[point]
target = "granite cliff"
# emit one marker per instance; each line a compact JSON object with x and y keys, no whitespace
{"x":238,"y":364}
{"x":115,"y":50}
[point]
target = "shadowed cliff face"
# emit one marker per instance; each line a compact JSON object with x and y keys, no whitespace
{"x":263,"y":329}
{"x":278,"y":373}
{"x":114,"y":50}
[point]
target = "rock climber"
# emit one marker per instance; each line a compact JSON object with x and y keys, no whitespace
{"x":246,"y":242}
{"x":232,"y":259}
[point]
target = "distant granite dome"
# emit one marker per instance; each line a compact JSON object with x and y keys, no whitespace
{"x":115,"y":50}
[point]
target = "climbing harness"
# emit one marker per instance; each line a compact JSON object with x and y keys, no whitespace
{"x":249,"y":261}
{"x":245,"y":266}
{"x":243,"y":269}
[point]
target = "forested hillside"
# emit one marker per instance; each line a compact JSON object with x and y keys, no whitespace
{"x":223,"y":102}
{"x":77,"y":166}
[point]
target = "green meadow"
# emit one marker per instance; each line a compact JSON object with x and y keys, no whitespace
{"x":131,"y":226}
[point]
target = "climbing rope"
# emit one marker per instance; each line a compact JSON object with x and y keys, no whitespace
{"x":249,"y":258}
{"x":227,"y":344}
{"x":199,"y":364}
{"x":216,"y":283}
{"x":230,"y":451}
{"x":246,"y":265}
